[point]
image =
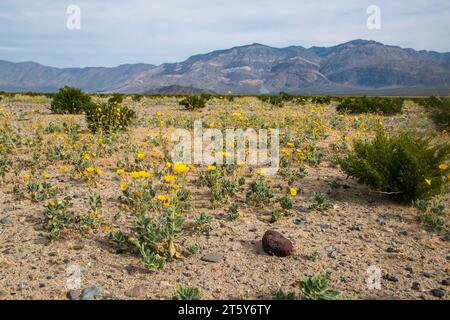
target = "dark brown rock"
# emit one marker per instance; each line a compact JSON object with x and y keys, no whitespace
{"x":275,"y":243}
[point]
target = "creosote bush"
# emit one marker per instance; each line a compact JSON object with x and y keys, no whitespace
{"x":405,"y":165}
{"x":195,"y":102}
{"x":70,"y":100}
{"x":385,"y":106}
{"x":439,"y":109}
{"x":109,"y":117}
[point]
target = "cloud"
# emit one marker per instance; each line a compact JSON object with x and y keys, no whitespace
{"x":154,"y":31}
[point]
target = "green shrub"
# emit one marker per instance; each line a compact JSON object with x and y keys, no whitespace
{"x":195,"y":102}
{"x":439,"y":109}
{"x":405,"y":165}
{"x":109,"y":117}
{"x":277,"y":100}
{"x":137,"y":97}
{"x":116,"y":98}
{"x":385,"y":106}
{"x":70,"y":100}
{"x":321,"y":100}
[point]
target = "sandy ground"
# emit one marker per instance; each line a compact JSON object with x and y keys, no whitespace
{"x":349,"y":238}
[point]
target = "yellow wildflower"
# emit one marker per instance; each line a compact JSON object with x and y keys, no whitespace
{"x":140,"y":155}
{"x":443,"y":166}
{"x":123,"y":186}
{"x":180,"y":168}
{"x":293,"y":191}
{"x":212,"y":168}
{"x":120,"y":171}
{"x":169,"y":178}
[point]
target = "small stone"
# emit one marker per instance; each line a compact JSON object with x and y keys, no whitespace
{"x":90,"y":292}
{"x":416,"y":286}
{"x":66,"y":261}
{"x":275,"y":243}
{"x":409,"y":269}
{"x":381,"y":221}
{"x":445,"y":282}
{"x":4,"y":220}
{"x":427,"y":275}
{"x":391,"y":250}
{"x":41,"y":285}
{"x":438,"y":293}
{"x":135,"y":292}
{"x":324,"y":226}
{"x":300,"y":222}
{"x":213,"y":257}
{"x":391,"y":277}
{"x":73,"y":294}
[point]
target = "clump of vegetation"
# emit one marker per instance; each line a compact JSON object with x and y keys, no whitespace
{"x":384,"y":106}
{"x":321,"y":202}
{"x":439,"y":109}
{"x":70,"y":100}
{"x":116,"y":98}
{"x":321,"y":100}
{"x":432,"y":212}
{"x":194,"y":102}
{"x":58,"y":217}
{"x":405,"y":165}
{"x":109,"y":117}
{"x":281,"y":295}
{"x":155,"y":237}
{"x":316,"y":287}
{"x":277,"y":100}
{"x":202,"y":224}
{"x":259,"y":194}
{"x":187,"y":293}
{"x":234,"y":211}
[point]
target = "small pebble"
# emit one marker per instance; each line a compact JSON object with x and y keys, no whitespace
{"x":90,"y":292}
{"x":438,"y":293}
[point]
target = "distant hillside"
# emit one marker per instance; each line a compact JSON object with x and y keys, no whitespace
{"x":356,"y":67}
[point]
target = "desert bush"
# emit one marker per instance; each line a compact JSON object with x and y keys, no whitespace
{"x":109,"y":117}
{"x":195,"y":102}
{"x":321,"y":100}
{"x":116,"y":98}
{"x":70,"y":100}
{"x":439,"y":109}
{"x":385,"y":106}
{"x":137,"y":97}
{"x":405,"y":165}
{"x":275,"y":100}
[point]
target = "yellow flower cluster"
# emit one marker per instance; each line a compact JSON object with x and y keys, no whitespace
{"x":140,"y":174}
{"x":180,"y":168}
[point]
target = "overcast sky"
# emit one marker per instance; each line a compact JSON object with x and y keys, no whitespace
{"x":116,"y":32}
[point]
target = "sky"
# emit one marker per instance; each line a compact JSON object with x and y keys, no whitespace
{"x":118,"y":32}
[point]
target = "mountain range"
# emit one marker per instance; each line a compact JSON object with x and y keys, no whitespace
{"x":355,"y":67}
